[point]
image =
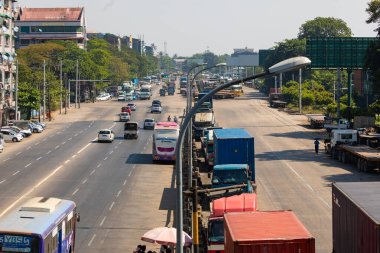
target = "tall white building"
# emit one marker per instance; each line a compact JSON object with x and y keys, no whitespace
{"x":8,"y":13}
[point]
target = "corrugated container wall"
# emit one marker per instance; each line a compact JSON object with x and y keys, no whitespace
{"x":234,"y":146}
{"x":266,"y":232}
{"x":356,"y":217}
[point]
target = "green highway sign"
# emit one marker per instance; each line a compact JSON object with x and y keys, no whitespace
{"x":337,"y":52}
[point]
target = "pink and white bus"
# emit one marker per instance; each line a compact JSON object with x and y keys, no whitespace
{"x":165,"y":137}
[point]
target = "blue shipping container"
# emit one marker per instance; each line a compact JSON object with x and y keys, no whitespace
{"x":234,"y":146}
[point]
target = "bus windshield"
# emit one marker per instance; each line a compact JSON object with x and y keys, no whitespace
{"x":18,"y":243}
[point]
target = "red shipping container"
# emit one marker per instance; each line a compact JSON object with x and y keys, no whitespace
{"x":266,"y":232}
{"x":356,"y":217}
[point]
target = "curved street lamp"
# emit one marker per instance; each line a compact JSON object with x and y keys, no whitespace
{"x":188,"y":90}
{"x":284,"y":66}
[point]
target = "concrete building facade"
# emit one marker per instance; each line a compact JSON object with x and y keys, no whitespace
{"x":8,"y":13}
{"x":38,"y":25}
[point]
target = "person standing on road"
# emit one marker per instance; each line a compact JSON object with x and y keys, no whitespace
{"x":316,"y":146}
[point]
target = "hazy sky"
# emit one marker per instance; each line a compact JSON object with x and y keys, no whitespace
{"x":194,"y":26}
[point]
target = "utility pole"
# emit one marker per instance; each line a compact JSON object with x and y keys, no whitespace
{"x":60,"y":98}
{"x":16,"y":93}
{"x":67,"y":94}
{"x":300,"y":90}
{"x":79,"y":91}
{"x":195,"y":217}
{"x":44,"y":93}
{"x":76,"y":85}
{"x":338,"y":94}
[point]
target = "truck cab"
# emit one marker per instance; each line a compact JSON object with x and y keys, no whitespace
{"x":331,"y":123}
{"x":230,"y":175}
{"x":238,"y":203}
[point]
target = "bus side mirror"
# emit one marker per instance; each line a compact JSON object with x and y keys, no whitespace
{"x":78,"y":217}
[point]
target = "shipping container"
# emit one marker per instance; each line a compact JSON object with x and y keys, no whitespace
{"x":234,"y":146}
{"x":356,"y":217}
{"x":269,"y":232}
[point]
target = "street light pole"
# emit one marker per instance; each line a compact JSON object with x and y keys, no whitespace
{"x":287,"y":65}
{"x":16,"y":93}
{"x":44,"y":93}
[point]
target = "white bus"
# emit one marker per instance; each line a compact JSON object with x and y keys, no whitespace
{"x":165,"y":136}
{"x":41,"y":225}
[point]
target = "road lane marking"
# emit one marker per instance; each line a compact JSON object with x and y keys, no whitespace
{"x":83,"y":148}
{"x":63,"y":143}
{"x":48,"y":152}
{"x":99,"y":165}
{"x":28,"y":147}
{"x":18,"y":153}
{"x":105,"y":158}
{"x":26,"y":166}
{"x":92,"y":172}
{"x":125,"y":182}
{"x":14,"y":174}
{"x":3,"y":181}
{"x":69,"y":139}
{"x":111,"y":151}
{"x":101,"y":223}
{"x":118,"y":194}
{"x":44,"y":139}
{"x":113,"y":203}
{"x":73,"y":156}
{"x":92,"y":239}
{"x":324,"y":202}
{"x":37,"y":144}
{"x":84,"y":181}
{"x":130,"y":173}
{"x":75,"y":135}
{"x":67,"y":161}
{"x":39,"y":158}
{"x":56,"y":147}
{"x":6,"y":159}
{"x":75,"y":192}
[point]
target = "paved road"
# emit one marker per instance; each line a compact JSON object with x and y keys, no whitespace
{"x":119,"y":193}
{"x":289,"y":174}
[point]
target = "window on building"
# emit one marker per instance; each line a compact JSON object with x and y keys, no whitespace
{"x":56,"y":29}
{"x":24,"y":42}
{"x":25,"y":29}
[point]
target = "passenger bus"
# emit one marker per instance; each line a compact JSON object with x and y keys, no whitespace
{"x":165,"y":136}
{"x":40,"y":225}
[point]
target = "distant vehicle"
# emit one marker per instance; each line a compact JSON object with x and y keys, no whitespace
{"x":106,"y":135}
{"x":32,"y":226}
{"x":132,"y":106}
{"x":121,"y":97}
{"x":103,"y":97}
{"x":124,"y":116}
{"x":331,"y":123}
{"x":126,"y":109}
{"x":149,"y":123}
{"x":24,"y":132}
{"x":131,"y":130}
{"x":27,"y":125}
{"x":156,"y":109}
{"x":35,"y":128}
{"x":162,"y":92}
{"x":43,"y":125}
{"x":10,"y":135}
{"x":165,"y":137}
{"x":276,"y":100}
{"x":156,"y":102}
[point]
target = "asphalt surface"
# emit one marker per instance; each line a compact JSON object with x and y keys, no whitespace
{"x":121,"y":194}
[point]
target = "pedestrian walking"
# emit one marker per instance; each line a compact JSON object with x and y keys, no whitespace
{"x":316,"y":146}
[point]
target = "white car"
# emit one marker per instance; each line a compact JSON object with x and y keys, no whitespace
{"x":124,"y":116}
{"x":121,"y":97}
{"x":156,"y":108}
{"x":149,"y":123}
{"x":10,"y":135}
{"x":106,"y":135}
{"x":103,"y":97}
{"x":24,"y":132}
{"x":132,"y":106}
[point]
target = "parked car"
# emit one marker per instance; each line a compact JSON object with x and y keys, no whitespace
{"x":24,"y":132}
{"x":35,"y":128}
{"x":156,"y":109}
{"x":106,"y":135}
{"x":149,"y":123}
{"x":103,"y":97}
{"x":132,"y":106}
{"x":27,"y":125}
{"x":39,"y":123}
{"x":10,"y":135}
{"x":124,"y":116}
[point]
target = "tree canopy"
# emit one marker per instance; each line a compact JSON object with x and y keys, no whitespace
{"x":324,"y":27}
{"x":373,"y":11}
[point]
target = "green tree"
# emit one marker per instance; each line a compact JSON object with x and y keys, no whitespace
{"x":324,"y":27}
{"x":375,"y":108}
{"x":373,"y":11}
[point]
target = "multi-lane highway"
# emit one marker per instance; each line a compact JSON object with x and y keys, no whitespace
{"x":121,"y":194}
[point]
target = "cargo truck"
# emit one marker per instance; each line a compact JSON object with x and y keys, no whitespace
{"x":356,"y":217}
{"x":227,"y":175}
{"x":343,"y":146}
{"x":202,"y":120}
{"x":316,"y":120}
{"x":269,"y":232}
{"x":215,"y":224}
{"x":234,"y":146}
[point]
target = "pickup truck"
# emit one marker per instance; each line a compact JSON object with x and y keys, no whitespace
{"x":331,"y":123}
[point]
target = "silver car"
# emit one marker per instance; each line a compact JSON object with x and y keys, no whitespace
{"x":10,"y":135}
{"x":149,"y":123}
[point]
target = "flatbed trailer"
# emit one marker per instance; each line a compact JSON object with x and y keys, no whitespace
{"x":223,"y":94}
{"x":364,"y":157}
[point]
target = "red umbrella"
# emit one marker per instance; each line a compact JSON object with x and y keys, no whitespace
{"x":165,"y":236}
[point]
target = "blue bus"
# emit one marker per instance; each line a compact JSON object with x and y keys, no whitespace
{"x":40,"y":225}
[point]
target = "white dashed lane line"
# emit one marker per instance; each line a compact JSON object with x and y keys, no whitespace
{"x":18,"y":153}
{"x":48,"y":152}
{"x":26,"y":166}
{"x":63,"y":143}
{"x":28,"y":147}
{"x":39,"y":158}
{"x":118,"y":194}
{"x":75,"y":192}
{"x":92,"y":239}
{"x":99,"y":165}
{"x":104,"y":219}
{"x":92,"y":172}
{"x":3,"y":181}
{"x":113,"y":203}
{"x":14,"y":174}
{"x":111,"y":151}
{"x":105,"y":158}
{"x":6,"y":159}
{"x":67,"y":161}
{"x":125,"y":182}
{"x":56,"y":147}
{"x":84,"y":181}
{"x":69,"y":139}
{"x":36,"y":144}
